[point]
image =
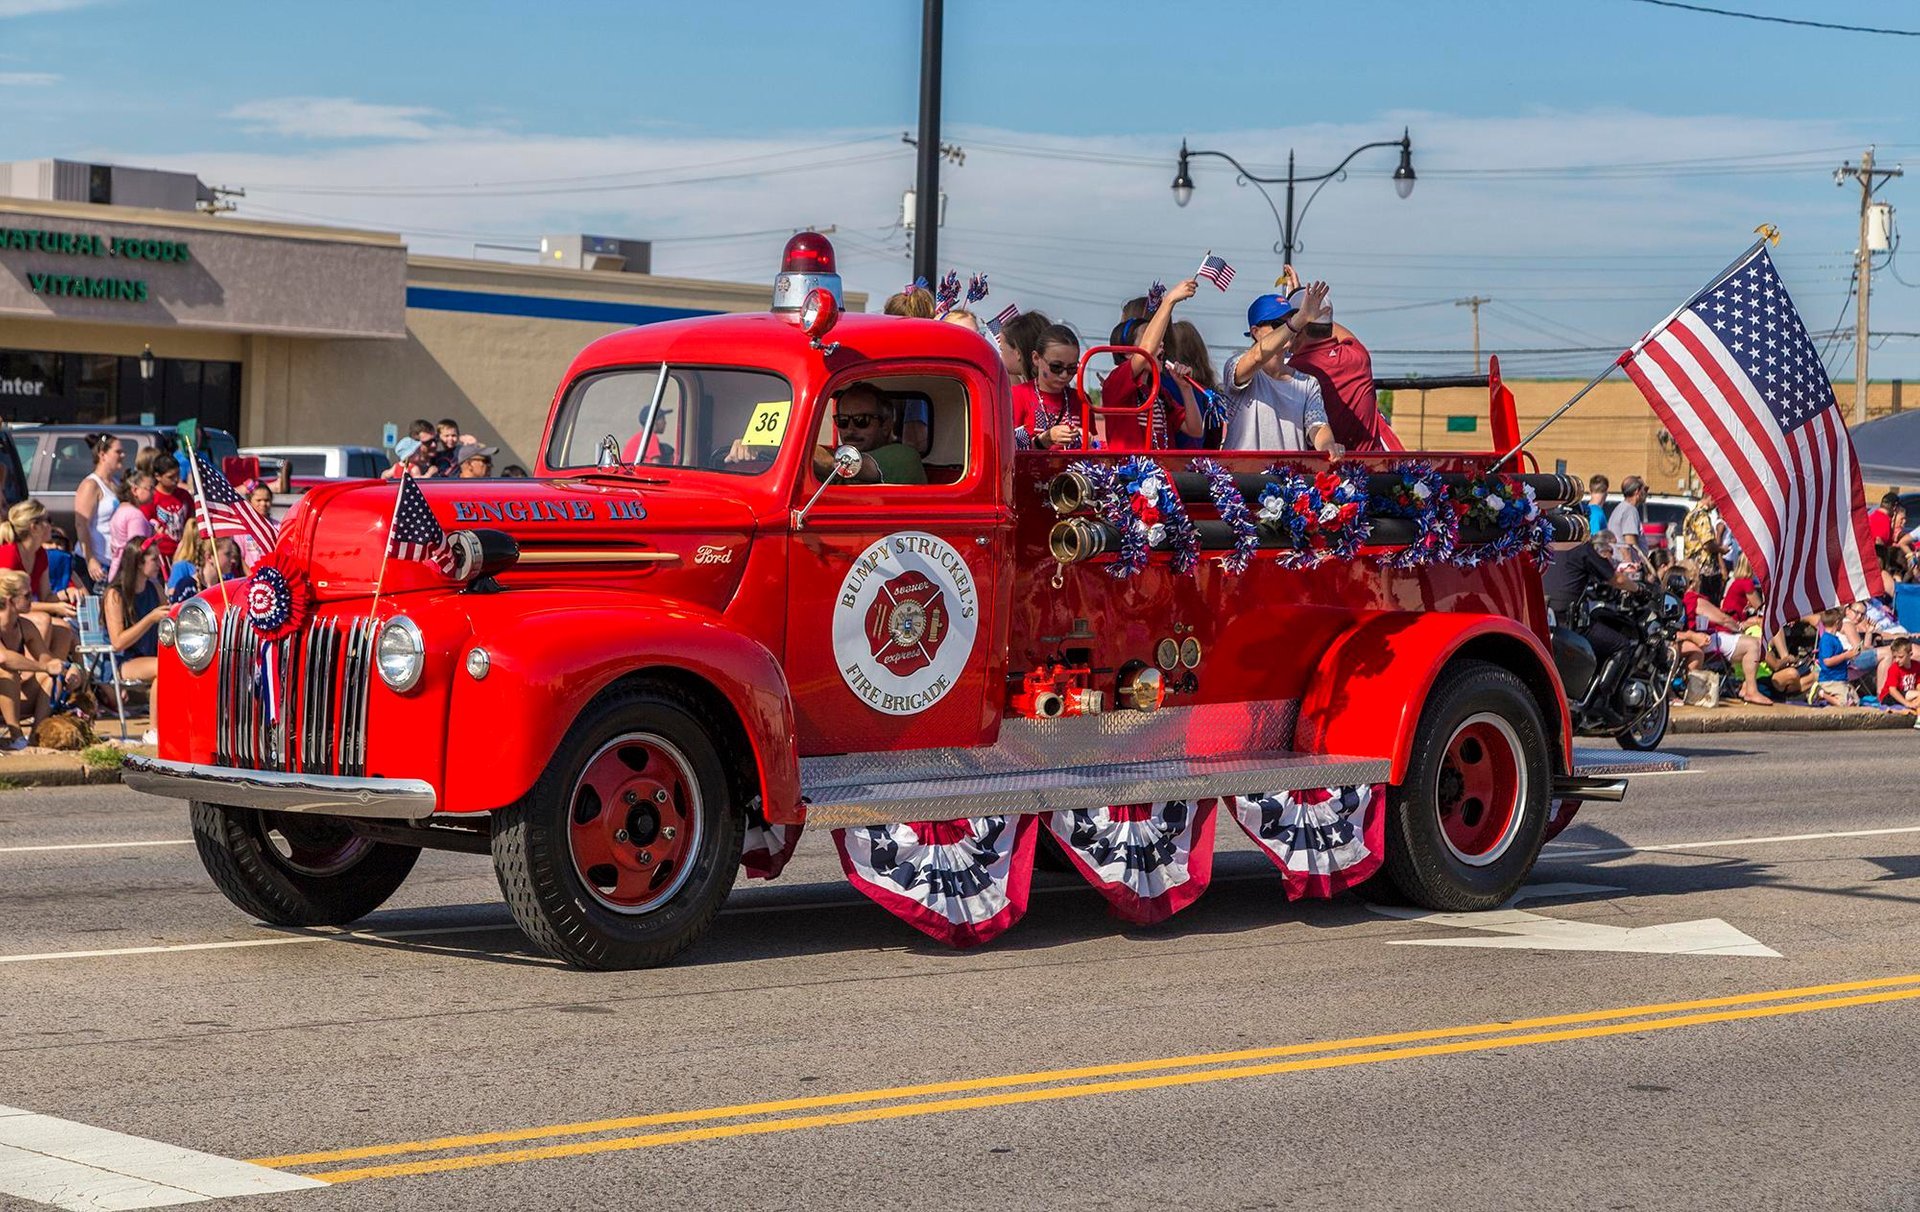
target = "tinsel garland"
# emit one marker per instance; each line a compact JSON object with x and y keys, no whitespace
{"x":1323,"y":515}
{"x":1138,"y":499}
{"x":1415,"y":491}
{"x":1487,"y":501}
{"x":1232,"y":507}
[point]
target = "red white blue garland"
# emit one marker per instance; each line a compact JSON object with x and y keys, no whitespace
{"x":1232,"y":507}
{"x":1416,"y":492}
{"x":1321,"y":515}
{"x":1138,"y":499}
{"x":1486,"y":501}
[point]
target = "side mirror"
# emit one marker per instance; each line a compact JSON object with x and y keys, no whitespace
{"x":846,"y":465}
{"x":609,"y":453}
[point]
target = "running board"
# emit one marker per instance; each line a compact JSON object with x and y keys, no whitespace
{"x":1055,"y":765}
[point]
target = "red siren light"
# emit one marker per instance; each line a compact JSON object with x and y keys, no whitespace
{"x":806,"y":264}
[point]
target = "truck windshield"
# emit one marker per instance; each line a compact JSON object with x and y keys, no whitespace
{"x":715,"y":419}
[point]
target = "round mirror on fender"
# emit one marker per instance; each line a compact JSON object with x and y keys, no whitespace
{"x":846,"y":462}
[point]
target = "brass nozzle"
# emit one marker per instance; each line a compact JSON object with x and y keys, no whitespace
{"x":1069,"y":492}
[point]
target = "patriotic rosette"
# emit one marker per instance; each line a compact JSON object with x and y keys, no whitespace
{"x":276,"y":605}
{"x":1232,"y":508}
{"x":1138,"y":499}
{"x":961,"y":882}
{"x":1416,"y":492}
{"x":1485,"y":501}
{"x":1321,"y":516}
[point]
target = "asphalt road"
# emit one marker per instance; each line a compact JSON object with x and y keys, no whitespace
{"x":815,"y":1053}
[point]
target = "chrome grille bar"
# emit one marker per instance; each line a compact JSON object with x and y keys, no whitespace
{"x":327,"y":673}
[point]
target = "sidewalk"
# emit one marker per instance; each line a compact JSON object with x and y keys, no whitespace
{"x":1734,"y":716}
{"x":68,"y":768}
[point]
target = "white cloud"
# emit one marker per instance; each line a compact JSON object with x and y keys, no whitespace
{"x":28,"y":8}
{"x":1072,"y":226}
{"x":334,"y":118}
{"x":27,"y":79}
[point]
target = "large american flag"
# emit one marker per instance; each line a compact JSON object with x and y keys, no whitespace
{"x":228,"y":514}
{"x":1737,"y":382}
{"x":417,"y":535}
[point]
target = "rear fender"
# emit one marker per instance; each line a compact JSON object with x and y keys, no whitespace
{"x":551,"y":654}
{"x":1366,"y":695}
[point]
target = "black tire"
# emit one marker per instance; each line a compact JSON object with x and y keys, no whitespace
{"x":292,"y":870}
{"x":1651,"y":730}
{"x":1050,"y":855}
{"x":533,"y":853}
{"x":1420,"y":861}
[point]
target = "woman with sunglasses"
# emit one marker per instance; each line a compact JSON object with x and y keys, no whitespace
{"x":23,"y":548}
{"x":1047,"y":407}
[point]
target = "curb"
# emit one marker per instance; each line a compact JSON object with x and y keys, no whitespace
{"x":1699,"y":721}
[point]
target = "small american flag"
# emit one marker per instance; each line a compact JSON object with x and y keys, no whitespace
{"x":228,"y":514}
{"x":1736,"y":380}
{"x":1216,"y":270}
{"x":416,"y":534}
{"x":1005,"y":317}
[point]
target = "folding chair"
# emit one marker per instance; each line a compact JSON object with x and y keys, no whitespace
{"x":96,"y":648}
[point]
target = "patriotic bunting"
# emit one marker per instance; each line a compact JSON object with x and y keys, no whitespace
{"x":1149,"y":860}
{"x":1324,"y":841}
{"x":766,"y":847}
{"x":960,"y":882}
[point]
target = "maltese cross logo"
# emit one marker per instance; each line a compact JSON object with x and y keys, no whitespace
{"x":906,"y":623}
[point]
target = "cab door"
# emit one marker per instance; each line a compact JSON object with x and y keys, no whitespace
{"x":896,"y":637}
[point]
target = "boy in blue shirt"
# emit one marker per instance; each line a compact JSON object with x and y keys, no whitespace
{"x":1834,"y":660}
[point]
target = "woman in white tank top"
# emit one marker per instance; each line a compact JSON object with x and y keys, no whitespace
{"x":95,"y":501}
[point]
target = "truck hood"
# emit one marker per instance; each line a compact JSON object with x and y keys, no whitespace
{"x":687,"y":541}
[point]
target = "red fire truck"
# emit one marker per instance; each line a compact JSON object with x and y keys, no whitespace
{"x":706,"y":622}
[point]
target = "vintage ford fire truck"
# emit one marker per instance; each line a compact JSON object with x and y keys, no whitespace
{"x":704,"y":624}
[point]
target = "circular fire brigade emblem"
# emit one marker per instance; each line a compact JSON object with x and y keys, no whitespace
{"x":905,"y":622}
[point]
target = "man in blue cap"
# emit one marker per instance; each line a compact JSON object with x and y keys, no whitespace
{"x":1268,"y":407}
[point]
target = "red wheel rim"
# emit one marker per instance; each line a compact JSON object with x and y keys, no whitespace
{"x":1482,"y":786}
{"x":634,"y":823}
{"x":312,"y":846}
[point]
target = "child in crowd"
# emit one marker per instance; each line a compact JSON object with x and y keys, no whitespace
{"x":1127,"y":382}
{"x":1019,"y":339}
{"x":1047,"y":407}
{"x":170,"y":506}
{"x":1834,"y":659}
{"x":183,"y":579}
{"x":915,"y":302}
{"x":29,"y":673}
{"x":1902,"y":687}
{"x":134,"y":605}
{"x":130,"y":520}
{"x":1203,"y":414}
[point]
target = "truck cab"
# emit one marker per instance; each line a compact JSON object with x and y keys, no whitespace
{"x":703,"y":625}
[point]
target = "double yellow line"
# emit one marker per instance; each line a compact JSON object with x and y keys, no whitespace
{"x":1052,"y":1085}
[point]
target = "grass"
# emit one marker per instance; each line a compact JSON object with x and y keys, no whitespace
{"x":103,"y":757}
{"x":11,"y":784}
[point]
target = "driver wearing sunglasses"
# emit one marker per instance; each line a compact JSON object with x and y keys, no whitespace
{"x":863,"y":419}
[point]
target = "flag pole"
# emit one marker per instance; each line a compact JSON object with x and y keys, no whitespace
{"x":200,"y":498}
{"x":386,"y":548}
{"x":1732,"y":268}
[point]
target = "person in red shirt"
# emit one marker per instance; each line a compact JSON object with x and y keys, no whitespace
{"x":1333,"y":357}
{"x":1902,"y":688}
{"x":1046,"y":408}
{"x":171,"y":505}
{"x":1154,"y":428}
{"x":1880,"y":519}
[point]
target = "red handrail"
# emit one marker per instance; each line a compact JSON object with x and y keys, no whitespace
{"x":1088,"y":411}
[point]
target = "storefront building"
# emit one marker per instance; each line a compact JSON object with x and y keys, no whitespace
{"x":289,"y":334}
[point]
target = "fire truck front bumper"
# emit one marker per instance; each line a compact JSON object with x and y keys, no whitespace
{"x":318,"y":794}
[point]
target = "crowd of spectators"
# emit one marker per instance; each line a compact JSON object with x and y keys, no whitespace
{"x":441,"y":450}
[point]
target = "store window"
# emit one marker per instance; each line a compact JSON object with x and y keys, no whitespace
{"x":106,"y":389}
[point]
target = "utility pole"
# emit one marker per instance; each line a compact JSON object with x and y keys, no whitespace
{"x":1870,"y":179}
{"x":926,"y":177}
{"x":1474,"y":301}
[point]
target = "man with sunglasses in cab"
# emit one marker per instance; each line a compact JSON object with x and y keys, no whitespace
{"x":863,"y":418}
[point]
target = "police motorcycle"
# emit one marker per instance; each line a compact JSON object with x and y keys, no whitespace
{"x":1631,"y":697}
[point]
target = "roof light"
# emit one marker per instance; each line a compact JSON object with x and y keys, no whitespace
{"x":819,"y":314}
{"x":806,"y":264}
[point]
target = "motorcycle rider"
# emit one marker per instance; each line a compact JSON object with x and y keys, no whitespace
{"x":1573,"y":575}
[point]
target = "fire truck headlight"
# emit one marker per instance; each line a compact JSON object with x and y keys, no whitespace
{"x":401,"y":653}
{"x":194,"y":632}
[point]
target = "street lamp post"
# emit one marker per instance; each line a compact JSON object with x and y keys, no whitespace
{"x":146,"y":380}
{"x":1403,"y":179}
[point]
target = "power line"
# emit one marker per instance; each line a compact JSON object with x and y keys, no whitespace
{"x":1728,"y":12}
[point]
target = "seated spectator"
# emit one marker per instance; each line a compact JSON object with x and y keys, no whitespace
{"x":1020,"y":340}
{"x":863,"y":419}
{"x":183,"y":580}
{"x":59,"y":549}
{"x":1834,"y":662}
{"x":133,"y":606}
{"x":475,"y":461}
{"x":130,"y":520}
{"x":29,"y":674}
{"x":1268,"y":408}
{"x":415,"y":458}
{"x":915,"y":302}
{"x":1047,"y":407}
{"x":1790,"y":658}
{"x":1712,"y":632}
{"x":1902,"y":688}
{"x":1884,"y":522}
{"x":23,"y":539}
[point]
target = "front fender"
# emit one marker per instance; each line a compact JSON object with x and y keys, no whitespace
{"x":551,"y":653}
{"x":1366,"y":694}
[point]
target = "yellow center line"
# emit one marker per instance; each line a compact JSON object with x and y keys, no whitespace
{"x":816,"y":1102}
{"x":440,"y":1165}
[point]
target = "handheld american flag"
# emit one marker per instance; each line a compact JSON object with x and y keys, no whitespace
{"x":415,"y":534}
{"x":1000,"y":321}
{"x":228,"y":514}
{"x":1216,"y":270}
{"x":1737,"y":382}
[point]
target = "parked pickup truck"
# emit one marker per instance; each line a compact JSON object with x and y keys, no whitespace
{"x":310,"y":466}
{"x":624,"y":680}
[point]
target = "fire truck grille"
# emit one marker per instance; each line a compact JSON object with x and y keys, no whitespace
{"x":321,"y":725}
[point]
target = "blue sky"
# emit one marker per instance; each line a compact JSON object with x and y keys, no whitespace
{"x":1584,"y":164}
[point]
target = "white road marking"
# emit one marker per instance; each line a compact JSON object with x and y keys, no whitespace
{"x":1562,"y":850}
{"x":1529,"y":931}
{"x":72,"y":1165}
{"x":185,"y":841}
{"x":340,"y":936}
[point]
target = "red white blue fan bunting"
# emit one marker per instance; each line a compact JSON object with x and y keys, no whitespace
{"x":764,"y":846}
{"x":1324,"y":840}
{"x":961,"y":882}
{"x":1149,"y":860}
{"x":1559,"y":816}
